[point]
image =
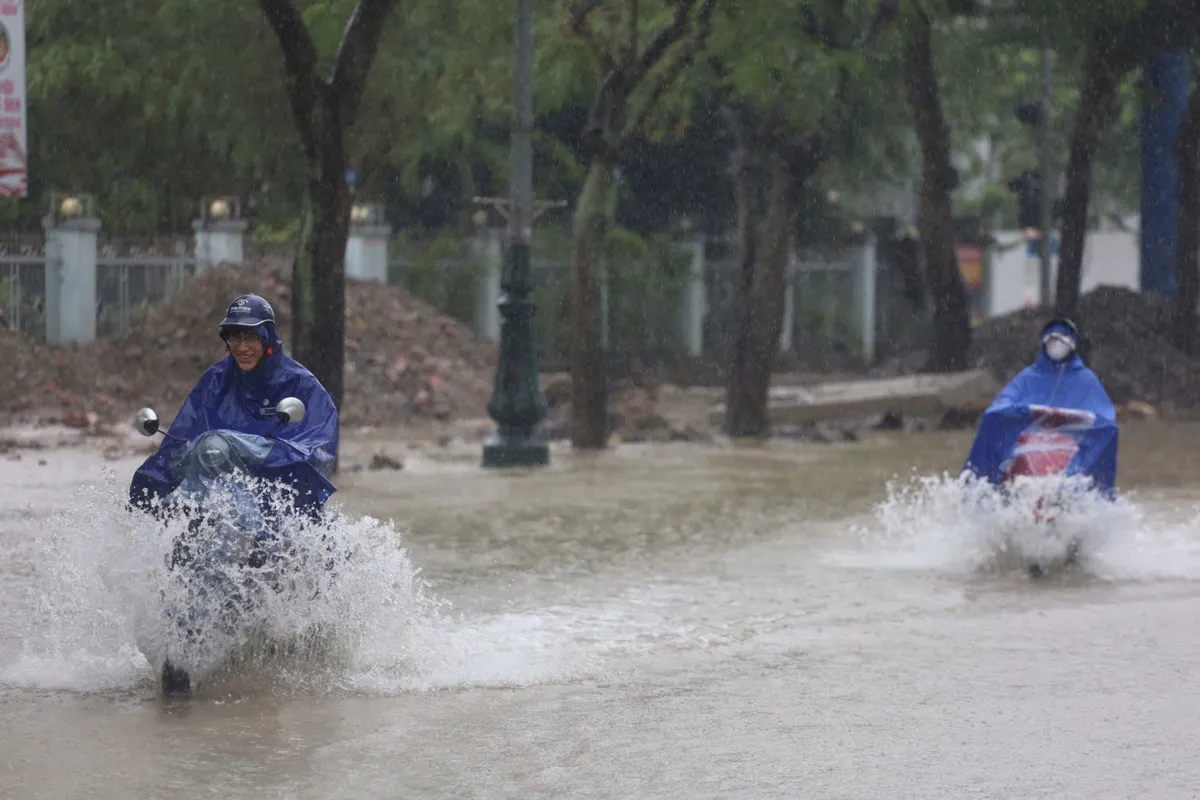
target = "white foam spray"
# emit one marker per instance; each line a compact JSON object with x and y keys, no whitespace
{"x":959,"y":524}
{"x":93,"y":616}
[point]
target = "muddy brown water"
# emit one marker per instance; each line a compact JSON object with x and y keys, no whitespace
{"x":657,"y":621}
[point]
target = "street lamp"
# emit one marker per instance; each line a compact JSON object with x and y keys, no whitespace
{"x":220,"y":209}
{"x":517,"y":404}
{"x":70,"y":207}
{"x":64,"y":207}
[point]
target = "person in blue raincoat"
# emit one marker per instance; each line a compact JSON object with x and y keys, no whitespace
{"x":239,"y":393}
{"x":1058,"y":379}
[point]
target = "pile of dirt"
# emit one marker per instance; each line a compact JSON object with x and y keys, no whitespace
{"x":1126,"y":342}
{"x":404,"y":359}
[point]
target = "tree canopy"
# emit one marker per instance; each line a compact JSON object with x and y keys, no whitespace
{"x":149,"y":106}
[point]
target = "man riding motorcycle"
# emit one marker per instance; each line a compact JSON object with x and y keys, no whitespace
{"x":1057,"y":400}
{"x":1052,"y":421}
{"x":233,"y":422}
{"x":239,"y":393}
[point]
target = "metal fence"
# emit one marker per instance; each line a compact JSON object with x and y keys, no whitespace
{"x":452,"y":284}
{"x":643,"y":295}
{"x":23,"y":284}
{"x":824,"y":300}
{"x":831,"y":310}
{"x":133,"y":277}
{"x":639,"y":299}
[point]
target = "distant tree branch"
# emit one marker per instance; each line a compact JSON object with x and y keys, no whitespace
{"x":885,"y":14}
{"x":355,"y":55}
{"x":1156,"y":31}
{"x":299,"y":64}
{"x":607,"y":128}
{"x":807,"y":150}
{"x":663,"y":41}
{"x":830,"y":36}
{"x":583,"y":8}
{"x":631,"y":43}
{"x":684,"y":56}
{"x":580,"y":27}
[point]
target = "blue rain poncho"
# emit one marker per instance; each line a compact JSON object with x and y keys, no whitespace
{"x":1022,"y":407}
{"x":226,"y":398}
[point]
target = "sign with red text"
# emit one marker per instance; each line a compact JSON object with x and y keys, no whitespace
{"x":970,"y":265}
{"x":14,"y":164}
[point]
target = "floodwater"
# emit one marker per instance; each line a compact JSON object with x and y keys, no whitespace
{"x":658,"y":621}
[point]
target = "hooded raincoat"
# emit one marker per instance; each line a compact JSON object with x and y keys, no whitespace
{"x":228,"y":398}
{"x":1067,"y":385}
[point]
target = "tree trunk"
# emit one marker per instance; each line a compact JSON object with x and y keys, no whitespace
{"x":1101,"y":79}
{"x":589,"y":372}
{"x":610,"y":129}
{"x":951,"y":325}
{"x":746,"y":257}
{"x":324,"y":112}
{"x":759,"y":322}
{"x":318,"y":276}
{"x":1184,"y":321}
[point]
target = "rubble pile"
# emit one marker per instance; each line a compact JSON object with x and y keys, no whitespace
{"x":404,"y":359}
{"x":1126,"y":342}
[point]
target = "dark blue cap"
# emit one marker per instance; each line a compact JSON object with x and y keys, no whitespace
{"x":247,"y":311}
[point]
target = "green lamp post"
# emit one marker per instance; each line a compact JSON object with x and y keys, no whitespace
{"x":517,"y":403}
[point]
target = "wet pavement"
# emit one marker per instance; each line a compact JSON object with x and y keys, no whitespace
{"x":657,"y":621}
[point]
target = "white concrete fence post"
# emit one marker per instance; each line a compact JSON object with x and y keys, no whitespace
{"x":487,"y":249}
{"x":220,"y":233}
{"x":367,"y":247}
{"x":694,"y":305}
{"x":71,"y":248}
{"x":788,"y":328}
{"x":864,"y":296}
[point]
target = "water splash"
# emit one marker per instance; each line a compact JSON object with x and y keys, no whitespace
{"x":96,"y":613}
{"x":961,"y":525}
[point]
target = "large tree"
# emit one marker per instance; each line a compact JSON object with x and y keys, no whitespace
{"x":1103,"y":72}
{"x":814,"y":50}
{"x":146,"y":114}
{"x":324,"y":109}
{"x":1120,"y":35}
{"x":640,"y":51}
{"x":935,"y":218}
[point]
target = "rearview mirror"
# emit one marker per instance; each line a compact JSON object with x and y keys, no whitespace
{"x":290,"y":409}
{"x":146,"y":421}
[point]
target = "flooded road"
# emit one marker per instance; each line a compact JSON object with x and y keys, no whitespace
{"x":657,"y":621}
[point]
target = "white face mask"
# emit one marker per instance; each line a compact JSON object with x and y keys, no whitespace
{"x":1058,"y":348}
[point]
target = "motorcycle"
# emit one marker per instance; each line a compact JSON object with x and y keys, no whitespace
{"x":1056,"y":454}
{"x":1043,"y":452}
{"x":233,"y":552}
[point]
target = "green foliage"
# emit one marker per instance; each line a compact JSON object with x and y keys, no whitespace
{"x":149,"y":106}
{"x":441,"y":270}
{"x":1070,"y":20}
{"x":786,"y":74}
{"x":326,"y":23}
{"x":183,"y":98}
{"x":646,"y":279}
{"x":987,"y":71}
{"x":635,"y":56}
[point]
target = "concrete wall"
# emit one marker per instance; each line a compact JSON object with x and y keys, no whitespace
{"x":1110,"y":258}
